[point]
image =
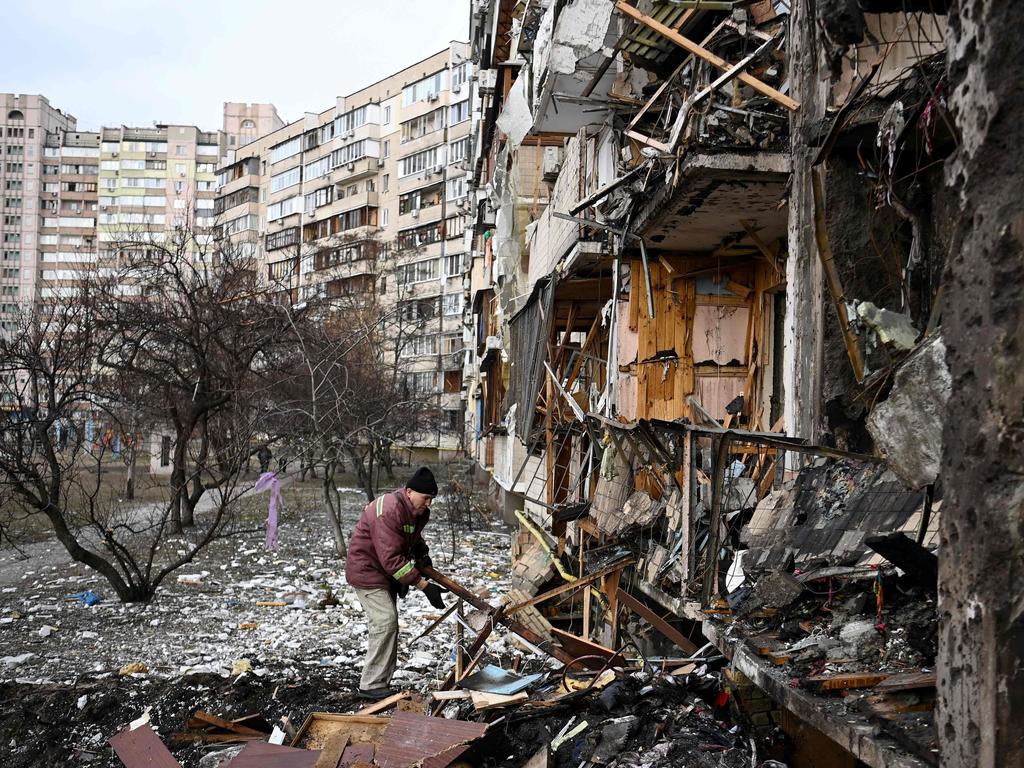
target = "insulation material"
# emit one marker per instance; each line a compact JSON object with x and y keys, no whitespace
{"x":579,"y":31}
{"x":515,"y":119}
{"x":720,"y":334}
{"x":613,"y":488}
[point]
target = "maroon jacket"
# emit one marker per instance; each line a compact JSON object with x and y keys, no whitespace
{"x":386,"y":543}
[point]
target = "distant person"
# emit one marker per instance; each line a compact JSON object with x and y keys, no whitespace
{"x":264,"y":455}
{"x":386,"y":546}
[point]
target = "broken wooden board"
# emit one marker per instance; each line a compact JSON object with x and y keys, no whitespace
{"x":656,"y":621}
{"x":907,"y":681}
{"x":579,"y":646}
{"x":333,"y":751}
{"x":383,"y":704}
{"x":450,"y":695}
{"x":320,"y":726}
{"x":259,"y":754}
{"x":142,"y":748}
{"x":484,"y":701}
{"x":843,"y":682}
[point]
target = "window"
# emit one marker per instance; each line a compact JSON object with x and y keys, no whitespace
{"x":458,"y":150}
{"x":451,"y":304}
{"x":350,"y":120}
{"x":418,"y":346}
{"x":281,"y":239}
{"x":317,"y":168}
{"x":427,"y":88}
{"x":453,"y":265}
{"x":417,"y":272}
{"x":387,"y":115}
{"x":456,"y":189}
{"x":241,"y":224}
{"x":284,"y":208}
{"x":460,"y":74}
{"x":179,"y":167}
{"x":421,"y":382}
{"x":420,"y":161}
{"x":207,"y":149}
{"x":422,"y":125}
{"x":239,"y":197}
{"x":386,"y":149}
{"x":455,"y":226}
{"x":420,"y":198}
{"x":459,"y":113}
{"x":286,"y":149}
{"x":385,"y":182}
{"x":322,"y":196}
{"x":287,"y":179}
{"x":384,"y":217}
{"x":349,"y":153}
{"x":424,"y":235}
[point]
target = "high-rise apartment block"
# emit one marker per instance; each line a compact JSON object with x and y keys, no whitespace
{"x":31,"y":181}
{"x":71,"y":198}
{"x":369,"y":198}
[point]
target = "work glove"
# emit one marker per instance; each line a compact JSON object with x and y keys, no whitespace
{"x":433,"y":593}
{"x":425,"y":562}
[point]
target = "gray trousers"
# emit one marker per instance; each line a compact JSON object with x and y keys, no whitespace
{"x":382,"y":638}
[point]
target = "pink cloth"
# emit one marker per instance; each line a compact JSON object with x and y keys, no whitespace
{"x":269,"y":481}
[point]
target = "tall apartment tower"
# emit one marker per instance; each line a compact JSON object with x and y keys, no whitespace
{"x":152,"y":180}
{"x":382,"y":168}
{"x":244,"y":123}
{"x":28,"y":181}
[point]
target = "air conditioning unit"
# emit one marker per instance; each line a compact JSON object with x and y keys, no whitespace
{"x":415,"y":213}
{"x":380,"y":162}
{"x":460,"y":204}
{"x":438,"y":169}
{"x":457,"y":88}
{"x":433,"y":96}
{"x":152,"y":154}
{"x":351,"y":166}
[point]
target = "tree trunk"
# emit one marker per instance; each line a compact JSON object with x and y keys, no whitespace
{"x":333,"y":510}
{"x":981,"y":586}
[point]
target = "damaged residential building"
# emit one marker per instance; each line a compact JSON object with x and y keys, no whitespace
{"x":708,"y":375}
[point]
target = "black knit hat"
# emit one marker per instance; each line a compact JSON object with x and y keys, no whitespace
{"x":423,"y":482}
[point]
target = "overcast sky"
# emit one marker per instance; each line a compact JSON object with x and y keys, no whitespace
{"x":133,"y":62}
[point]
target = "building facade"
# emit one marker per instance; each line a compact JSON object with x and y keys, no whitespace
{"x":31,"y":180}
{"x":367,"y":200}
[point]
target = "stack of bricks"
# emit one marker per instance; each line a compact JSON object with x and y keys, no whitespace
{"x":531,"y":570}
{"x":751,"y":705}
{"x":529,"y":616}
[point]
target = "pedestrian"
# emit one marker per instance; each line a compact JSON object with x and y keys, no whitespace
{"x":384,"y":553}
{"x":264,"y":455}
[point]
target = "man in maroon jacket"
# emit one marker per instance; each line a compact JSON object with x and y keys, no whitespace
{"x":382,"y":555}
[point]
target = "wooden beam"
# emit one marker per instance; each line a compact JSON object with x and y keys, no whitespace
{"x":570,"y":586}
{"x":380,"y":706}
{"x":655,"y":621}
{"x":703,"y":53}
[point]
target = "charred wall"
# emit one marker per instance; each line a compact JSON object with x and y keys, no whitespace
{"x":981,"y":678}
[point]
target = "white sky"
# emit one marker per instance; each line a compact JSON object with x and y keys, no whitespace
{"x":133,"y":62}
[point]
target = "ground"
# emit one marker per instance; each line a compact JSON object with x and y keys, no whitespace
{"x":61,"y":691}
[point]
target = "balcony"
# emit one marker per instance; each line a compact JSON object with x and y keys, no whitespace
{"x":362,"y":168}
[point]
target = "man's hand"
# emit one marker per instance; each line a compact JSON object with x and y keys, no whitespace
{"x":433,"y":593}
{"x":425,"y":562}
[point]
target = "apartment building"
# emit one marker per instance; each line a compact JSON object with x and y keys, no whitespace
{"x":244,"y":123}
{"x":368,"y":199}
{"x":31,"y":181}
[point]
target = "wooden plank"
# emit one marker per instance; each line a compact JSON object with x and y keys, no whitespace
{"x":703,"y":53}
{"x":201,"y":718}
{"x":907,"y":681}
{"x":333,"y":751}
{"x":656,"y":621}
{"x":843,"y":682}
{"x":581,"y":646}
{"x":485,"y":701}
{"x":380,"y":706}
{"x":570,"y":586}
{"x":450,"y":695}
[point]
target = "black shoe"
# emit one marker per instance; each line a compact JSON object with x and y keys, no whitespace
{"x":375,"y":694}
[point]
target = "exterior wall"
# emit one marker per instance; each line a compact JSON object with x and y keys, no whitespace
{"x":244,"y":123}
{"x":321,"y":229}
{"x":27,"y":124}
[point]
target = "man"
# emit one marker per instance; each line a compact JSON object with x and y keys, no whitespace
{"x":382,"y":555}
